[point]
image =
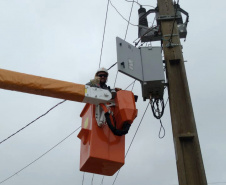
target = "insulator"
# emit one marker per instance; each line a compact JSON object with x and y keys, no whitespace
{"x":143,"y":21}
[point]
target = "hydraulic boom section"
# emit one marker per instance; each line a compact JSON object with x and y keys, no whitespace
{"x":105,"y":120}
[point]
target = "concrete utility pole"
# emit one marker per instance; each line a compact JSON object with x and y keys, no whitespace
{"x":188,"y":154}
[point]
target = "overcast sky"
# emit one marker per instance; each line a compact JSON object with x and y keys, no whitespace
{"x":62,"y":40}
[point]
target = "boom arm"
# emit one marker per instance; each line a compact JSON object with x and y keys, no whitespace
{"x":26,"y":83}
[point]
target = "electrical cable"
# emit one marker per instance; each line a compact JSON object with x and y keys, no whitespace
{"x":104,"y":32}
{"x":83,"y":177}
{"x":40,"y":156}
{"x":133,"y":85}
{"x":116,"y":78}
{"x":130,"y":85}
{"x":166,"y":102}
{"x":102,"y":180}
{"x":136,"y":131}
{"x":112,"y":66}
{"x":155,"y":107}
{"x":164,"y":131}
{"x":132,"y":141}
{"x":33,"y":121}
{"x":129,"y":19}
{"x":92,"y":179}
{"x":158,"y":113}
{"x":139,"y":3}
{"x":122,"y":15}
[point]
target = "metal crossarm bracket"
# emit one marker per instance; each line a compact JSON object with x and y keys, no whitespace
{"x":167,"y":17}
{"x":171,"y":45}
{"x":169,"y":35}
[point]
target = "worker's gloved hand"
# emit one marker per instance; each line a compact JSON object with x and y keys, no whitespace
{"x":95,"y":81}
{"x":117,"y":89}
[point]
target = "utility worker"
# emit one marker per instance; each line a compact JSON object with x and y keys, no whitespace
{"x":100,"y":79}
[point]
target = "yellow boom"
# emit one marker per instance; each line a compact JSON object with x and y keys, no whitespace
{"x":21,"y":82}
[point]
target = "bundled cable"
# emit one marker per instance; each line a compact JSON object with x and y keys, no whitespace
{"x":157,"y":107}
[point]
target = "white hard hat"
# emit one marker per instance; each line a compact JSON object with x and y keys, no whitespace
{"x":102,"y":69}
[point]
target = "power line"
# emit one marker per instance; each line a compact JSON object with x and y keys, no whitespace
{"x":116,"y":78}
{"x":132,"y":140}
{"x":83,"y":178}
{"x":92,"y":179}
{"x":122,"y":15}
{"x":133,"y":85}
{"x":104,"y":32}
{"x":137,"y":130}
{"x":139,"y":3}
{"x":40,"y":156}
{"x":160,"y":130}
{"x":129,"y":20}
{"x":112,"y":66}
{"x":33,"y":121}
{"x":102,"y":180}
{"x":130,"y":84}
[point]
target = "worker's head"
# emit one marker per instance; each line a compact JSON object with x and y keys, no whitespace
{"x":103,"y":74}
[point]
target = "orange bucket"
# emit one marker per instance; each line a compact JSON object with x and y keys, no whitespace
{"x":102,"y":152}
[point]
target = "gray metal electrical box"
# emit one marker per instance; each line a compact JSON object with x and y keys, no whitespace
{"x":143,"y":64}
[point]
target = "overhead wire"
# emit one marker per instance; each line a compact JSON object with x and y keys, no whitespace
{"x":132,"y":141}
{"x":116,"y":78}
{"x":103,"y":44}
{"x":105,"y":22}
{"x":112,"y":66}
{"x":161,"y":125}
{"x":40,"y":156}
{"x":92,"y":179}
{"x":129,"y":19}
{"x":83,"y":178}
{"x":102,"y":180}
{"x":130,"y":85}
{"x":157,"y":113}
{"x":160,"y":130}
{"x":122,"y":15}
{"x":139,"y":3}
{"x":133,"y":85}
{"x":32,"y":121}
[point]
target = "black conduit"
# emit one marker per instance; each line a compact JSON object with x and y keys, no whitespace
{"x":125,"y":127}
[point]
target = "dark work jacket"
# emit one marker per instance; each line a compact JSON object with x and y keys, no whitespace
{"x":103,"y":86}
